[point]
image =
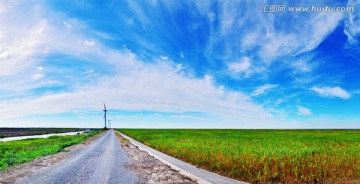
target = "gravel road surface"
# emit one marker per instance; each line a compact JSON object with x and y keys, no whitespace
{"x":102,"y":161}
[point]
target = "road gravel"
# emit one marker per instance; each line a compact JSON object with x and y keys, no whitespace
{"x":102,"y":161}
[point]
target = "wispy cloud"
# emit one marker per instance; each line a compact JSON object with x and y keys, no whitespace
{"x":332,"y":92}
{"x":303,"y":111}
{"x":164,"y":57}
{"x":39,"y":68}
{"x":303,"y":65}
{"x":352,"y":24}
{"x":26,"y":42}
{"x":241,"y":66}
{"x":90,"y":43}
{"x":37,"y":76}
{"x":262,"y":89}
{"x":245,"y":31}
{"x":20,"y":46}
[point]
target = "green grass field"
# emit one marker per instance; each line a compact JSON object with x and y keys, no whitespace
{"x":323,"y":156}
{"x":18,"y":152}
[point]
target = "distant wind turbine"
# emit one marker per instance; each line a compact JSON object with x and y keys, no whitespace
{"x":109,"y":123}
{"x":105,"y":114}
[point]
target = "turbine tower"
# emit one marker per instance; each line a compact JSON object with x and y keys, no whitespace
{"x":105,"y":115}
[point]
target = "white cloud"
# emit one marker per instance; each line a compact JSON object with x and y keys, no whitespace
{"x":20,"y":46}
{"x":352,"y":23}
{"x":243,"y":30}
{"x":164,"y":57}
{"x":262,"y":89}
{"x":303,"y":111}
{"x":332,"y":92}
{"x":136,"y":85}
{"x":303,"y":65}
{"x":278,"y":43}
{"x":90,"y":43}
{"x":182,"y":55}
{"x":314,"y":29}
{"x":238,"y":67}
{"x":28,"y":33}
{"x":39,"y":68}
{"x":37,"y":76}
{"x":157,"y":87}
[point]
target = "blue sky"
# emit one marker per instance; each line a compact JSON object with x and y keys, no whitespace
{"x":179,"y":64}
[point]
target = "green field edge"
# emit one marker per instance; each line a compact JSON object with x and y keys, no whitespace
{"x":14,"y":153}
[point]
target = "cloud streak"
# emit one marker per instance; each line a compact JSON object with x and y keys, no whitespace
{"x":262,"y":89}
{"x":332,"y":92}
{"x":37,"y":76}
{"x":244,"y":31}
{"x":352,"y":24}
{"x":303,"y":111}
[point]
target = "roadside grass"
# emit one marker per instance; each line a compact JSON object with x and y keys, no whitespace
{"x":18,"y":152}
{"x":263,"y":156}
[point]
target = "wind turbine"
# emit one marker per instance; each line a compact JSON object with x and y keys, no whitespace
{"x":109,"y":123}
{"x":105,"y":114}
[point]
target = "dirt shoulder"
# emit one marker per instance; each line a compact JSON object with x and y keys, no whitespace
{"x":149,"y":169}
{"x":10,"y":175}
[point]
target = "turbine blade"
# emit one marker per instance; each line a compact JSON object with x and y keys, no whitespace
{"x":104,"y":106}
